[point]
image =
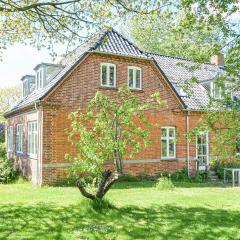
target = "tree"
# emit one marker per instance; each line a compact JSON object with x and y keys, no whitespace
{"x":110,"y":129}
{"x":196,"y":30}
{"x":8,"y":96}
{"x":44,"y":23}
{"x":165,"y":34}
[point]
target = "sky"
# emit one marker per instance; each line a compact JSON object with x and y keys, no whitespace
{"x":19,"y":60}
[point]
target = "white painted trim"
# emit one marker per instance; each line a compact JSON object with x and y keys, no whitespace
{"x":134,"y":68}
{"x":16,"y":137}
{"x":108,"y":65}
{"x":31,"y":155}
{"x":207,"y":150}
{"x":167,"y":138}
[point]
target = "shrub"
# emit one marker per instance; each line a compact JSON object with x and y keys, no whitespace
{"x":2,"y":131}
{"x":164,"y":183}
{"x":181,"y":176}
{"x":218,"y":166}
{"x":7,"y":172}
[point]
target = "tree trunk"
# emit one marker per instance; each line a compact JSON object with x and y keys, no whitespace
{"x":105,"y":183}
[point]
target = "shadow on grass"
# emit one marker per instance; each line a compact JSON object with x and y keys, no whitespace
{"x":83,"y":222}
{"x":150,"y":184}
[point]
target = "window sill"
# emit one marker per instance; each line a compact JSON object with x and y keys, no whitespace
{"x":108,"y":87}
{"x":169,"y":159}
{"x":35,"y":157}
{"x":136,"y":90}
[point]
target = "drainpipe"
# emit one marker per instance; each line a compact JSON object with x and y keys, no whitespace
{"x":188,"y":147}
{"x":39,"y":163}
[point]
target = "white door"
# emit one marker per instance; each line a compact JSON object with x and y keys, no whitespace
{"x":202,"y":150}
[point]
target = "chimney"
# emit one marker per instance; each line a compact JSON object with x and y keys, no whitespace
{"x":217,"y":59}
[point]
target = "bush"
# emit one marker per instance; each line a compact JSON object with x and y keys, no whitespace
{"x":218,"y":166}
{"x":2,"y":133}
{"x":7,"y":173}
{"x":164,"y":183}
{"x":181,"y":176}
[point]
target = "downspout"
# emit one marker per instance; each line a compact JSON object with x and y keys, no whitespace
{"x":39,"y":163}
{"x":188,"y":147}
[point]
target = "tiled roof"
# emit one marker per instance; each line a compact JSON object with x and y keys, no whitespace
{"x":181,"y":71}
{"x":111,"y":42}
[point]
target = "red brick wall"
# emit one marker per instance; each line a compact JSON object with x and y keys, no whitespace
{"x":81,"y":85}
{"x":28,"y":167}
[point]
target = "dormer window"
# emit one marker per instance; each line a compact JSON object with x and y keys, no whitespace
{"x":28,"y":84}
{"x":216,"y":91}
{"x":44,"y":71}
{"x":181,"y":92}
{"x":40,"y":78}
{"x":134,"y":77}
{"x":108,"y":75}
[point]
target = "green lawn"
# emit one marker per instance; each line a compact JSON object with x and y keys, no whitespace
{"x":190,"y":211}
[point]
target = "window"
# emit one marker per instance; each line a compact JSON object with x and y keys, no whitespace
{"x":25,"y":88}
{"x":216,"y":91}
{"x":202,"y":150}
{"x":32,"y":139}
{"x":168,"y":142}
{"x":40,"y":78}
{"x":10,"y":138}
{"x":108,"y":74}
{"x":180,"y":89}
{"x":134,"y":77}
{"x":19,"y":138}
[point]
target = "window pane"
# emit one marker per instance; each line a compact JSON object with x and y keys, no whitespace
{"x":171,"y":148}
{"x":171,"y":132}
{"x":111,"y":76}
{"x":138,"y":76}
{"x":164,"y":132}
{"x":104,"y":75}
{"x":130,"y":77}
{"x":164,"y":148}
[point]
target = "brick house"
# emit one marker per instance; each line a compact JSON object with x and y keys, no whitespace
{"x":36,"y":136}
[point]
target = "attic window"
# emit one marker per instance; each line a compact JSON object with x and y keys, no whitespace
{"x":181,"y":92}
{"x":134,"y":77}
{"x":108,"y":75}
{"x":217,"y":91}
{"x":28,"y":84}
{"x":40,"y":78}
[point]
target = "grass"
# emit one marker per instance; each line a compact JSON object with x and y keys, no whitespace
{"x":137,"y":211}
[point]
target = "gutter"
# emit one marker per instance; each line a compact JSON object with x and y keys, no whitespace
{"x":9,"y":113}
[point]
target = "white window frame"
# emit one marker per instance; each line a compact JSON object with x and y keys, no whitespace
{"x":207,"y":150}
{"x":167,"y":138}
{"x":108,"y":65}
{"x":134,"y":77}
{"x":33,"y":136}
{"x":19,"y":138}
{"x":40,"y":74}
{"x":10,"y":138}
